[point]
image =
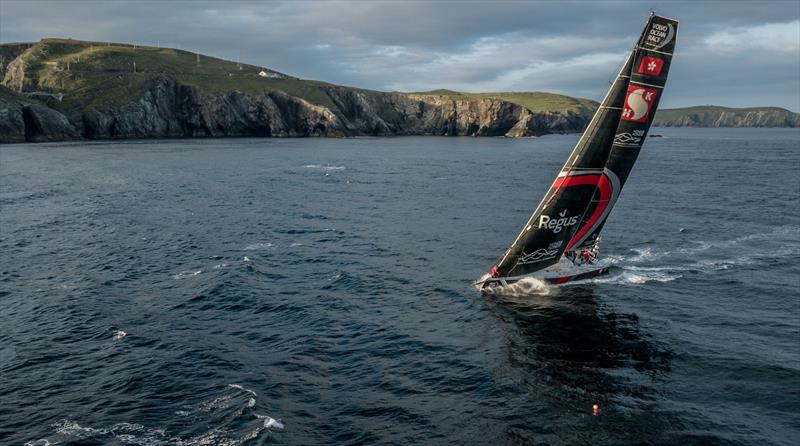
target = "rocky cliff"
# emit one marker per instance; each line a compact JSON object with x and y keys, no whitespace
{"x":168,"y":108}
{"x":713,"y":116}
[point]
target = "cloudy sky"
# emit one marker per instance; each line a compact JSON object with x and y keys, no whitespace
{"x":733,"y":53}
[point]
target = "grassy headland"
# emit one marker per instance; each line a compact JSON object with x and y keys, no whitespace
{"x":535,"y":101}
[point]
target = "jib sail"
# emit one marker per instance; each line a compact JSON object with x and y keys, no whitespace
{"x":578,"y":202}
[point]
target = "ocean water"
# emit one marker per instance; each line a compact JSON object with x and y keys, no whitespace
{"x":317,"y":291}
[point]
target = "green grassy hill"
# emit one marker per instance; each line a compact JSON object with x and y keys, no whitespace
{"x":89,"y":73}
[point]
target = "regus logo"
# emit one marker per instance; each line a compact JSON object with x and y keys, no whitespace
{"x":557,"y":224}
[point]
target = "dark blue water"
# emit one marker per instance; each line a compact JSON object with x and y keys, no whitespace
{"x":317,"y":291}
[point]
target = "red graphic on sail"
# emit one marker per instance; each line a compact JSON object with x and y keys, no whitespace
{"x":605,"y":190}
{"x":650,"y":65}
{"x":637,"y":103}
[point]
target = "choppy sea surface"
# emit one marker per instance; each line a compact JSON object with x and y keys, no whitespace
{"x":317,"y":291}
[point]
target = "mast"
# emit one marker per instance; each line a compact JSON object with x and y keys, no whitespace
{"x":579,"y":200}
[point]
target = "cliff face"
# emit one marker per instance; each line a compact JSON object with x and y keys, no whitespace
{"x":168,"y":108}
{"x":12,"y":125}
{"x":710,"y":116}
{"x":22,"y":119}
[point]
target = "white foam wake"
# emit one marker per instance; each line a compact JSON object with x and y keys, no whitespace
{"x":526,"y":287}
{"x":649,"y":254}
{"x":635,"y":277}
{"x":270,"y":422}
{"x":655,"y":264}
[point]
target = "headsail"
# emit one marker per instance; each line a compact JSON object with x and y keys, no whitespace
{"x":578,"y":202}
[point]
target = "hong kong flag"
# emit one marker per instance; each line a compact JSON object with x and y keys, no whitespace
{"x":651,"y":65}
{"x":637,"y":103}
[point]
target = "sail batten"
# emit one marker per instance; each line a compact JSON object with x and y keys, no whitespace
{"x":577,"y":204}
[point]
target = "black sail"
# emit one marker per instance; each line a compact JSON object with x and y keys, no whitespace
{"x":578,"y":202}
{"x":648,"y":76}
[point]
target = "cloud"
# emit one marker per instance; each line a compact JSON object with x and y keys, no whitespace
{"x":739,"y":53}
{"x":779,"y":37}
{"x":511,"y":62}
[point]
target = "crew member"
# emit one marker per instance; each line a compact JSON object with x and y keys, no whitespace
{"x":586,"y":256}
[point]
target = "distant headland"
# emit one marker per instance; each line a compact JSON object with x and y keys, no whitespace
{"x":61,"y":89}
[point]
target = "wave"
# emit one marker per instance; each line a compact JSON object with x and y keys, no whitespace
{"x":323,"y":167}
{"x":228,"y":419}
{"x":652,"y":253}
{"x":238,"y":386}
{"x":185,"y":274}
{"x":258,"y":246}
{"x":633,"y":277}
{"x":270,"y":422}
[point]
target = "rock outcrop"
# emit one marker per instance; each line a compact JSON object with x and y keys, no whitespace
{"x":44,"y":124}
{"x":12,"y":124}
{"x":23,"y":119}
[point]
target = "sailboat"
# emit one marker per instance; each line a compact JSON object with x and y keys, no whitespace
{"x":560,"y":241}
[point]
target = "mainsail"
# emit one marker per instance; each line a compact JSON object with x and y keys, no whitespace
{"x":575,"y":208}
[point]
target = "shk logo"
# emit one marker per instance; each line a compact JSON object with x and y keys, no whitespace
{"x":638,"y":103}
{"x":557,"y":224}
